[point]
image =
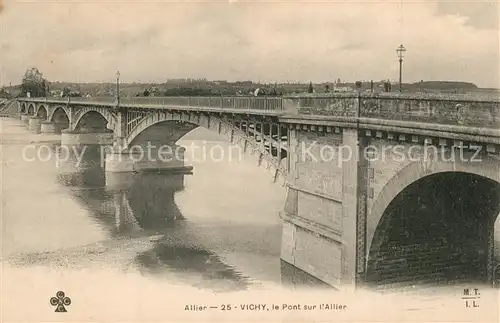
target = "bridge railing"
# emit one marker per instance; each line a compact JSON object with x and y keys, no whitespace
{"x":440,"y":109}
{"x":219,"y":102}
{"x":106,"y":99}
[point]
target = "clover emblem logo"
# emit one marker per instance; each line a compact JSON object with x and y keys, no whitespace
{"x":60,"y":301}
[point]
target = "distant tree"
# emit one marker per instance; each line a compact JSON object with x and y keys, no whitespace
{"x":66,"y":91}
{"x":327,"y":88}
{"x":4,"y":93}
{"x":310,"y":88}
{"x":146,"y":92}
{"x":34,"y":83}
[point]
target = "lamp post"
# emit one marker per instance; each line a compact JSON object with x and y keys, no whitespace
{"x":118,"y":88}
{"x":401,"y":51}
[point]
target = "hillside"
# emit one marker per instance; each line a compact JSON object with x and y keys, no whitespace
{"x":445,"y":86}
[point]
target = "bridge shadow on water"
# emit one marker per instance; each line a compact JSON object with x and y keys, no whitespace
{"x":143,"y":205}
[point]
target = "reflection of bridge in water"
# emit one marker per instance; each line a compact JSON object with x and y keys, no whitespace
{"x":138,"y":201}
{"x":133,"y":205}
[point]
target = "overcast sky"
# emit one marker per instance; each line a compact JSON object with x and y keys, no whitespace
{"x":151,"y":41}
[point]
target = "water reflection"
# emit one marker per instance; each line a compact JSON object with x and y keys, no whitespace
{"x":143,"y":204}
{"x":206,"y":236}
{"x":132,"y":202}
{"x":212,"y":272}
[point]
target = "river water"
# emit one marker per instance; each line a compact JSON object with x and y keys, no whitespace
{"x":113,"y":250}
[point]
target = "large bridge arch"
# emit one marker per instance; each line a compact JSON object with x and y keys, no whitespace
{"x":93,"y":117}
{"x":58,"y":110}
{"x":224,"y":127}
{"x":91,"y":121}
{"x":173,"y":131}
{"x":59,"y":116}
{"x":418,"y":181}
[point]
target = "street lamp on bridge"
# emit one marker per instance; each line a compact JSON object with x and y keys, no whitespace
{"x":401,"y":51}
{"x":118,"y":87}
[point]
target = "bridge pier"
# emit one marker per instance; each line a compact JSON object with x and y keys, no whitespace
{"x":72,"y":138}
{"x":166,"y":158}
{"x":323,"y":206}
{"x":121,"y":160}
{"x":48,"y":127}
{"x":25,"y":118}
{"x":146,"y":159}
{"x":80,"y":166}
{"x":81,"y":151}
{"x":34,"y":124}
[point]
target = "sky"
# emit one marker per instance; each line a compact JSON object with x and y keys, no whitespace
{"x":152,"y":41}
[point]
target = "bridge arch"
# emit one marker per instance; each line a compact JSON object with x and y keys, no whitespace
{"x":31,"y":109}
{"x":58,"y":110}
{"x":94,"y":114}
{"x":59,"y":116}
{"x":41,"y":112}
{"x":433,"y":187}
{"x":224,"y":127}
{"x":23,"y":107}
{"x":91,"y":121}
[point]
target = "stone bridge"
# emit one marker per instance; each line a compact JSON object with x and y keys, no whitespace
{"x":382,"y":188}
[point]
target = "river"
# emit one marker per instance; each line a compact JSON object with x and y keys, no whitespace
{"x":112,"y":250}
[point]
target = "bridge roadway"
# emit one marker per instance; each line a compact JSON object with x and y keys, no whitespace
{"x":382,"y":189}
